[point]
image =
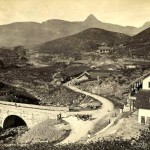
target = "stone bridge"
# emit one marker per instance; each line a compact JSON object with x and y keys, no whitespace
{"x":16,"y":114}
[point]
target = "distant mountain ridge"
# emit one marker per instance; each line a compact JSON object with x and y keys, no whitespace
{"x":32,"y":33}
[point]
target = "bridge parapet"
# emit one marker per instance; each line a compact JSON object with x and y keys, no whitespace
{"x":51,"y":108}
{"x":30,"y":114}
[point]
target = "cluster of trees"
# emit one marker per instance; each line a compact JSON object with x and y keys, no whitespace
{"x":13,"y":57}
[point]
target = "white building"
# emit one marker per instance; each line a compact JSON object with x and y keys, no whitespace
{"x":83,"y":77}
{"x":144,"y":116}
{"x":130,"y":66}
{"x":146,"y":83}
{"x":104,"y":49}
{"x":143,"y":101}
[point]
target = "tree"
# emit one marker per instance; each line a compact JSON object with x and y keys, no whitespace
{"x":20,"y":50}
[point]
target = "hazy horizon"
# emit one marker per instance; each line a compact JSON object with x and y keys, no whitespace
{"x":121,"y":12}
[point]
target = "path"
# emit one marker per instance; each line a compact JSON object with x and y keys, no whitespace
{"x":80,"y":128}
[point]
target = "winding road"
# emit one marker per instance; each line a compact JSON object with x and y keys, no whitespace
{"x":80,"y":128}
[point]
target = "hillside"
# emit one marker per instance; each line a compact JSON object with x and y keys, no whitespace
{"x":139,"y":45}
{"x":12,"y":58}
{"x":87,"y":40}
{"x":143,"y":36}
{"x":31,"y":33}
{"x":145,"y":26}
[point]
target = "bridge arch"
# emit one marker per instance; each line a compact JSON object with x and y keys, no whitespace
{"x":13,"y":121}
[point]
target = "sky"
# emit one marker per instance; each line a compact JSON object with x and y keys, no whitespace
{"x":122,"y":12}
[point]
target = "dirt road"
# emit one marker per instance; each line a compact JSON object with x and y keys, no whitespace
{"x":80,"y":128}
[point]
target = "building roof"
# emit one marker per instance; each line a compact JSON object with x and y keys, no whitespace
{"x":105,"y":47}
{"x":141,"y":78}
{"x":100,"y":73}
{"x":58,"y":75}
{"x":84,"y":73}
{"x":143,"y":99}
{"x":76,"y":70}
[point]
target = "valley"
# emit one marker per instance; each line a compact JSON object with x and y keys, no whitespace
{"x":83,"y":70}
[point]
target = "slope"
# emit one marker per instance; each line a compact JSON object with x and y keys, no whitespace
{"x":87,"y":40}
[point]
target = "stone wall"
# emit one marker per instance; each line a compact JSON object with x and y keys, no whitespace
{"x":31,"y":114}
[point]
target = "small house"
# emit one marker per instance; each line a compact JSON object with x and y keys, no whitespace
{"x":122,"y":45}
{"x":140,"y":83}
{"x":104,"y":49}
{"x":75,"y":71}
{"x":97,"y":74}
{"x":83,"y":77}
{"x":146,"y":82}
{"x":141,"y":88}
{"x":130,"y":66}
{"x":143,"y":105}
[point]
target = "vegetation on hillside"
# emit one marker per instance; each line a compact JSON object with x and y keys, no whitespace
{"x":115,"y":87}
{"x":35,"y":86}
{"x":87,"y":40}
{"x":142,"y":143}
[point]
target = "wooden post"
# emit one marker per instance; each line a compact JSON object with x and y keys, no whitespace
{"x":133,"y":105}
{"x":131,"y":89}
{"x":130,"y":106}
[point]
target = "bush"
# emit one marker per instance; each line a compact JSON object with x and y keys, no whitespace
{"x":143,"y":143}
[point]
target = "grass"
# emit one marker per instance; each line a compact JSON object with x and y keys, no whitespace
{"x":102,"y":123}
{"x":36,"y":81}
{"x":142,"y":143}
{"x":100,"y":89}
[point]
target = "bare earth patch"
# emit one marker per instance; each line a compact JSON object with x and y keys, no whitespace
{"x":46,"y":131}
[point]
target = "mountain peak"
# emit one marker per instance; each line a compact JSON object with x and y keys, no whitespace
{"x":91,"y":18}
{"x":147,"y":24}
